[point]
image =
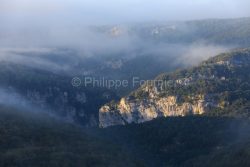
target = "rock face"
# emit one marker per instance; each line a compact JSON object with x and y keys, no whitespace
{"x":140,"y":111}
{"x":215,"y":84}
{"x":51,"y":92}
{"x":71,"y":105}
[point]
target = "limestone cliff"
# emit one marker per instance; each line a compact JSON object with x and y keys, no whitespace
{"x":140,"y":111}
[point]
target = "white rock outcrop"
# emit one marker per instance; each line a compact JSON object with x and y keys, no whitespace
{"x":139,"y":111}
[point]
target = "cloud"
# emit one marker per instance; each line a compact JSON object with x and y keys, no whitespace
{"x":198,"y":52}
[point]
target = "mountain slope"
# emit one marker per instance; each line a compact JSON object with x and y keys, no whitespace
{"x":219,"y":86}
{"x":234,"y":32}
{"x":29,"y":139}
{"x":52,"y":92}
{"x":192,"y":141}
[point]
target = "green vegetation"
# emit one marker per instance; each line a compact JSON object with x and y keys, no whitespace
{"x":31,"y":139}
{"x":35,"y":140}
{"x":185,"y":141}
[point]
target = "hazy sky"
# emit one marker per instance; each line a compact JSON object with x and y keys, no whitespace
{"x":117,"y":11}
{"x":40,"y":22}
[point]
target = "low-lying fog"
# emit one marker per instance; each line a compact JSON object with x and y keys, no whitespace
{"x":64,"y":50}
